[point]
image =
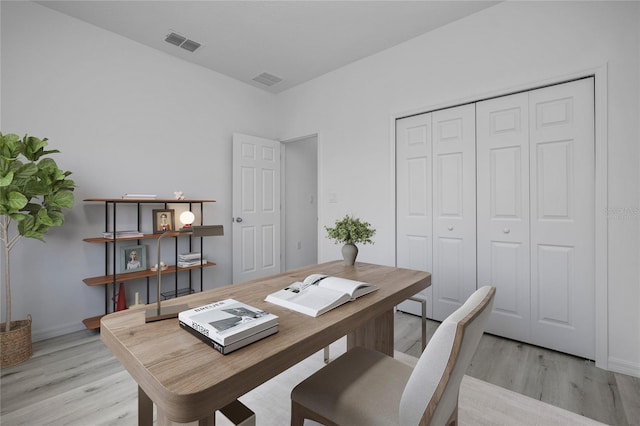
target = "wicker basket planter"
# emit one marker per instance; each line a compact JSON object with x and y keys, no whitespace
{"x":15,"y":345}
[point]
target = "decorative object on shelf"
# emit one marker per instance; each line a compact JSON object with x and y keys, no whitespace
{"x":179,"y":195}
{"x":121,"y":300}
{"x":187,"y":218}
{"x":350,"y":231}
{"x":163,"y":267}
{"x":34,"y":192}
{"x":137,"y":301}
{"x":133,"y":258}
{"x":163,"y":220}
{"x":158,"y":313}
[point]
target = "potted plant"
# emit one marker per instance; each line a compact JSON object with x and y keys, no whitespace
{"x":33,"y":192}
{"x":351,"y":231}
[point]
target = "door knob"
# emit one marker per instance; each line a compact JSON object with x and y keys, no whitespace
{"x":506,"y":230}
{"x":238,"y":219}
{"x":450,"y":228}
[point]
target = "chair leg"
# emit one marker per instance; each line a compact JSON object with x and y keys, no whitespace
{"x":326,"y":354}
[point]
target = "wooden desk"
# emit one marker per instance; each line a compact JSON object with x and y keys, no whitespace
{"x":188,"y":380}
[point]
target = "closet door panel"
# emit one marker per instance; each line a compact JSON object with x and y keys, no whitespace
{"x":414,"y":216}
{"x":454,"y":255}
{"x":503,"y":211}
{"x":562,"y":222}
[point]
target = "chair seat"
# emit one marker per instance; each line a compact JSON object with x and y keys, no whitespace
{"x":346,"y":396}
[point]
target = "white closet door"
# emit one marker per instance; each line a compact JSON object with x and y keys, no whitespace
{"x":414,"y":217}
{"x":454,"y":199}
{"x":562,"y":217}
{"x":503,"y":211}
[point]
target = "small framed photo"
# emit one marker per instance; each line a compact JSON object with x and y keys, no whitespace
{"x":163,"y":220}
{"x":133,"y":258}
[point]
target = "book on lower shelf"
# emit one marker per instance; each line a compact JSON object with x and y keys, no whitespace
{"x":319,"y":293}
{"x":229,"y":324}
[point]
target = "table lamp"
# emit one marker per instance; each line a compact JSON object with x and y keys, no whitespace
{"x":159,"y":313}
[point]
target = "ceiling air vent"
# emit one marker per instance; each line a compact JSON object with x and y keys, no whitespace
{"x":181,"y":41}
{"x":267,"y":79}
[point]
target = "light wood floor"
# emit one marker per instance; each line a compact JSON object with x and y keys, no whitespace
{"x":565,"y":381}
{"x":78,"y":365}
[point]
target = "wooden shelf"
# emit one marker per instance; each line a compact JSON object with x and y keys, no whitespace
{"x":143,"y":237}
{"x":129,"y":276}
{"x":109,"y":281}
{"x":146,"y":200}
{"x":92,"y":323}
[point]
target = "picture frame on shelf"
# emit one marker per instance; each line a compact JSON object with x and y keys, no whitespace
{"x":163,"y":220}
{"x":133,"y":258}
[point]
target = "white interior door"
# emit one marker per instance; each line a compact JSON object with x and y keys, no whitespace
{"x":563,"y":217}
{"x":414,"y":212}
{"x":256,"y":207}
{"x":502,"y":145}
{"x":454,"y":202}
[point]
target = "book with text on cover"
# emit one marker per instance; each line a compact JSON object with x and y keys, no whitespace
{"x":225,"y":349}
{"x":319,"y":293}
{"x":227,"y":321}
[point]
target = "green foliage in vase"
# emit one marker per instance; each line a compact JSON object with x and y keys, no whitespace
{"x":350,"y":230}
{"x":33,"y":192}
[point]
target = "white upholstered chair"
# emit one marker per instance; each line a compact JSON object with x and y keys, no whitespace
{"x":365,"y":387}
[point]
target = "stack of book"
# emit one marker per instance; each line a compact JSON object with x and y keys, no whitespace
{"x":228,"y":325}
{"x":186,"y":260}
{"x":123,"y":234}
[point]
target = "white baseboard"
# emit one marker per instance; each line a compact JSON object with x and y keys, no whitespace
{"x":624,"y":367}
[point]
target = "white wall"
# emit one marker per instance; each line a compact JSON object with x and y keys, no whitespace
{"x":126,"y":118}
{"x":510,"y":45}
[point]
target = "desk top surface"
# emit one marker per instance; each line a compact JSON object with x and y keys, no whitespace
{"x":189,"y":378}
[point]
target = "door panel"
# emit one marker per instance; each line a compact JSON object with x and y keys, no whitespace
{"x":454,"y":174}
{"x":256,"y":207}
{"x":503,"y":211}
{"x":413,"y":205}
{"x":563,"y":217}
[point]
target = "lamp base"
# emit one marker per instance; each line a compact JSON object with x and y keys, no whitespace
{"x":166,"y":312}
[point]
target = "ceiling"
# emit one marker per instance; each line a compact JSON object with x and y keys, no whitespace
{"x":293,"y":40}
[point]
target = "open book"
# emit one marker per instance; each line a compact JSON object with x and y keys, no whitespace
{"x":319,"y":293}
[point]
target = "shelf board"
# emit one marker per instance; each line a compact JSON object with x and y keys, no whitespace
{"x":146,"y":200}
{"x":92,"y":323}
{"x":143,"y":237}
{"x":129,"y":276}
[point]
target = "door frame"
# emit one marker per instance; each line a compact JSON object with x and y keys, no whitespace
{"x":600,"y":74}
{"x":283,"y":193}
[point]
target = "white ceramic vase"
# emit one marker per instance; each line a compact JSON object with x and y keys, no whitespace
{"x":349,"y":253}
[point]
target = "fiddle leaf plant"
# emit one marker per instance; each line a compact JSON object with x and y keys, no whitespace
{"x":350,"y":230}
{"x":33,"y":192}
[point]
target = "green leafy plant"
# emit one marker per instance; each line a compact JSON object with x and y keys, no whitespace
{"x":33,"y":192}
{"x":350,"y":230}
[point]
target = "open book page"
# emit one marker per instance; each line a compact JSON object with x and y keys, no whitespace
{"x":319,"y":293}
{"x":313,"y":301}
{"x":353,"y":288}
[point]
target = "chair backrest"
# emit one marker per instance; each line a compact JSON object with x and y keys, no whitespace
{"x":431,"y":394}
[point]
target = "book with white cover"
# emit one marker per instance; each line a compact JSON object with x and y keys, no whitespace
{"x":319,"y":293}
{"x":231,"y":346}
{"x":227,"y":321}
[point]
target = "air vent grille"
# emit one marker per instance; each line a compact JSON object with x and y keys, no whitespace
{"x":267,"y":79}
{"x":181,"y":41}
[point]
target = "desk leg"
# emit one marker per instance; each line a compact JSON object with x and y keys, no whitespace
{"x":145,"y":409}
{"x":376,"y":334}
